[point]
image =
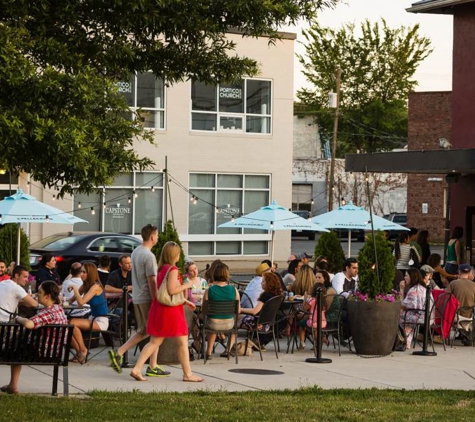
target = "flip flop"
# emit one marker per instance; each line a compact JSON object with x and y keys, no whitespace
{"x":193,"y":378}
{"x":137,"y":377}
{"x":78,"y":359}
{"x":8,"y":390}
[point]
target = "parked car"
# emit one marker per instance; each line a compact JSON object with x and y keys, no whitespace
{"x":398,"y":218}
{"x":303,"y":233}
{"x":80,"y":247}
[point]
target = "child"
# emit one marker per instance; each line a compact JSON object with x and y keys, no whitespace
{"x":309,"y":305}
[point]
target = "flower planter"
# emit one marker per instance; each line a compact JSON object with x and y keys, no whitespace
{"x":373,"y":326}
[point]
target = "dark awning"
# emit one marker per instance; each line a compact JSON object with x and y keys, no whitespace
{"x":436,"y":6}
{"x":441,"y":161}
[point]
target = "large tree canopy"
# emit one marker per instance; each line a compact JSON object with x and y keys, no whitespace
{"x":378,"y":64}
{"x":61,"y":117}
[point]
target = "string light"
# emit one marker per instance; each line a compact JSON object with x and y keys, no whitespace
{"x":312,"y":202}
{"x":104,"y":205}
{"x":93,"y":212}
{"x":129,"y":200}
{"x":232,"y":219}
{"x":47,"y":219}
{"x":153,"y":188}
{"x":135,"y":194}
{"x":118,"y":204}
{"x":217,"y":210}
{"x":271,"y":225}
{"x":54,"y":197}
{"x":195,"y":200}
{"x":79,"y":205}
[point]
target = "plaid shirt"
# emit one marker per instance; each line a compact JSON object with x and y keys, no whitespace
{"x":50,"y":315}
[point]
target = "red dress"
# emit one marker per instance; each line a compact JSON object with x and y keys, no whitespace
{"x":166,"y":321}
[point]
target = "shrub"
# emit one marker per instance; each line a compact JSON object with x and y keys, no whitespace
{"x":329,"y":246}
{"x":8,"y":245}
{"x":169,"y":235}
{"x":368,"y":282}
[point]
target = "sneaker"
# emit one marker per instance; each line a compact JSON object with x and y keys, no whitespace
{"x":116,"y":360}
{"x":158,"y":371}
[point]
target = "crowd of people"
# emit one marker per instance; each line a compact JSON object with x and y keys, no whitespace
{"x":141,"y":276}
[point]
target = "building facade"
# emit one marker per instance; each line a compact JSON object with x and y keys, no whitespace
{"x":220,"y":151}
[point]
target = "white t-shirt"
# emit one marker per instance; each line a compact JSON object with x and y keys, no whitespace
{"x":253,"y":290}
{"x":73,"y":281}
{"x":10,"y":294}
{"x":338,"y":282}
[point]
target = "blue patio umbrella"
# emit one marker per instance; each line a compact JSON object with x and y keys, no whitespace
{"x":351,"y":217}
{"x":23,"y":208}
{"x":273,"y":217}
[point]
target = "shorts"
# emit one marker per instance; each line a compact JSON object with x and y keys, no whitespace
{"x":101,"y":321}
{"x":141,"y":316}
{"x":221,"y":324}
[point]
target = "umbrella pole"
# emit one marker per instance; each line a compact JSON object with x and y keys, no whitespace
{"x":272,"y":249}
{"x":349,"y":244}
{"x":18,"y":245}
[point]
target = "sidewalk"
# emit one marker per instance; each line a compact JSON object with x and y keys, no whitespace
{"x":453,"y":369}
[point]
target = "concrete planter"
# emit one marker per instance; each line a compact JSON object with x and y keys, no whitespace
{"x":373,"y":326}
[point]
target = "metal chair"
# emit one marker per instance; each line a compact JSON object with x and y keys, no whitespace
{"x":113,"y":332}
{"x":265,"y":323}
{"x":335,"y":330}
{"x":218,"y":307}
{"x":463,"y":325}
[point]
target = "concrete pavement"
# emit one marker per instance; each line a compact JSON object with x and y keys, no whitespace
{"x":452,"y":369}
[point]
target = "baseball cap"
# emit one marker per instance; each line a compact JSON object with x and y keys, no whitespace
{"x":262,"y":268}
{"x":291,"y":258}
{"x":465,"y":268}
{"x":305,"y":255}
{"x":427,"y":269}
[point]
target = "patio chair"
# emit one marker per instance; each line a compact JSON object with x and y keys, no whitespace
{"x":218,"y":307}
{"x":334,"y":329}
{"x":446,"y":306}
{"x":265,"y":324}
{"x":91,"y":337}
{"x":463,"y":325}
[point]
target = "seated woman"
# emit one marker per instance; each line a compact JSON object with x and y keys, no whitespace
{"x":292,"y":271}
{"x":271,"y":286}
{"x":310,"y":302}
{"x":52,"y":313}
{"x":415,"y":299}
{"x":91,"y":292}
{"x":199,"y":284}
{"x":441,"y":277}
{"x":47,"y":270}
{"x":221,"y":291}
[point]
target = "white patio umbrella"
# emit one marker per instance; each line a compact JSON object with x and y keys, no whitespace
{"x":23,"y":208}
{"x":351,"y":217}
{"x":273,"y":217}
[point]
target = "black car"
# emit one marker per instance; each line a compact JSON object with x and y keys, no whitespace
{"x":304,"y":233}
{"x":73,"y":247}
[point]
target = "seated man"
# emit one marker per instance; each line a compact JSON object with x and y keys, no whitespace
{"x":12,"y":293}
{"x":254,"y":288}
{"x":121,"y":276}
{"x":347,"y":280}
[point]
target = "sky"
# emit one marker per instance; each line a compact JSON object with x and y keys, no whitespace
{"x":433,"y":74}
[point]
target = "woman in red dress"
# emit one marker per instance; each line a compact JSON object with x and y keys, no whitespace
{"x":168,"y":321}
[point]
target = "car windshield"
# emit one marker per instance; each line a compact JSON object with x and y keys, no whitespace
{"x":56,"y":241}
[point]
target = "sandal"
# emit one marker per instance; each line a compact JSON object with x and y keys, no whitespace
{"x":7,"y":389}
{"x":193,"y":378}
{"x":78,"y":359}
{"x":137,"y":377}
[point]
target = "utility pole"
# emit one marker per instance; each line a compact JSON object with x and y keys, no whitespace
{"x":335,"y":137}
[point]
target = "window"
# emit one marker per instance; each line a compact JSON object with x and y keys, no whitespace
{"x":145,"y":95}
{"x":134,"y":200}
{"x":302,"y":197}
{"x":220,"y":197}
{"x":243,"y":106}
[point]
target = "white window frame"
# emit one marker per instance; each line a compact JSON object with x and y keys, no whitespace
{"x":244,"y":115}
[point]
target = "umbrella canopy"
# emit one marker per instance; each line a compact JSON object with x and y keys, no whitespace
{"x":273,"y":217}
{"x":23,"y":208}
{"x":351,"y":217}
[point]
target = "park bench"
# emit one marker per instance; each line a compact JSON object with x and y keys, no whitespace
{"x":47,"y":345}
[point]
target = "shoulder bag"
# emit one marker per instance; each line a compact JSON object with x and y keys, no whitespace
{"x":166,"y":298}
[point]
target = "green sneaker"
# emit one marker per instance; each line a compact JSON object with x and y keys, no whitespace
{"x":116,"y":361}
{"x":158,"y":371}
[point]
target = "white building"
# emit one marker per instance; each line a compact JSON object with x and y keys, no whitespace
{"x":225,"y":145}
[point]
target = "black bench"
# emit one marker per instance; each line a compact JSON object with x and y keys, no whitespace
{"x":47,"y":345}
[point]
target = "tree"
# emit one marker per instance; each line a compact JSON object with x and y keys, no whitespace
{"x":169,"y":235}
{"x":377,"y":74}
{"x":61,"y":116}
{"x":368,"y":282}
{"x":9,"y":242}
{"x":329,"y":246}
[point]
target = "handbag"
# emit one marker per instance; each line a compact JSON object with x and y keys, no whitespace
{"x":166,"y":298}
{"x":414,"y":258}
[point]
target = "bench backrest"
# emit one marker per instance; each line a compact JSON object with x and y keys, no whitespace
{"x":47,"y":345}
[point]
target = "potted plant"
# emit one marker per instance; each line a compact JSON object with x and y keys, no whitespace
{"x":169,"y":235}
{"x":329,"y":246}
{"x":374,"y":309}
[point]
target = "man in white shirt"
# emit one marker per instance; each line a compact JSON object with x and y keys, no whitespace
{"x":12,"y":293}
{"x":254,"y":288}
{"x":347,"y":280}
{"x":75,"y":280}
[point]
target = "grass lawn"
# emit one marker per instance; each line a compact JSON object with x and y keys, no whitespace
{"x":297,"y":405}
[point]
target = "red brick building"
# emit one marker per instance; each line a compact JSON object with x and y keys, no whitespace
{"x":430,"y":116}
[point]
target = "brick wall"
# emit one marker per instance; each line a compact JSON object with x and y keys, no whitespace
{"x":429,"y":120}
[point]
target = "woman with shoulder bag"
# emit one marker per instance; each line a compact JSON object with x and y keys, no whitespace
{"x":168,"y":321}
